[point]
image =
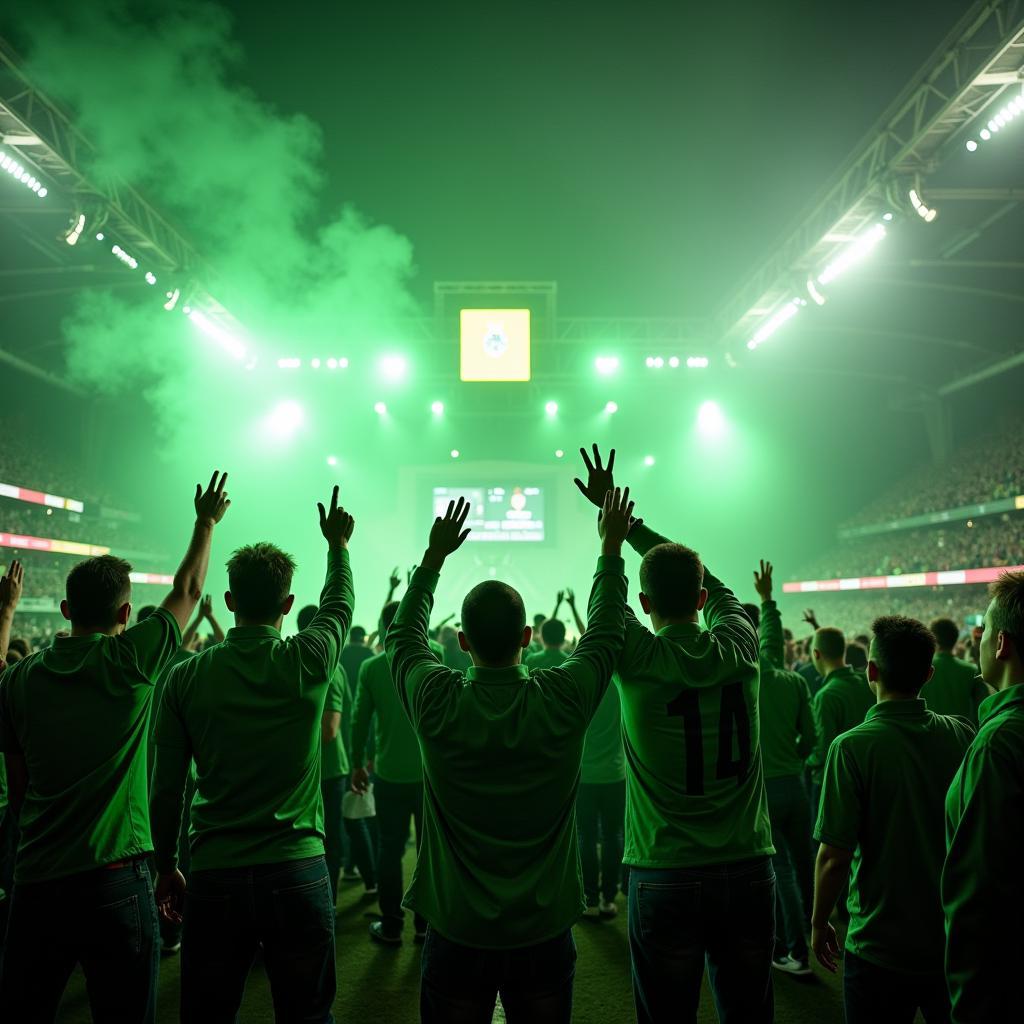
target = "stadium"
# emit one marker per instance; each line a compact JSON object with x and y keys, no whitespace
{"x":429,"y":269}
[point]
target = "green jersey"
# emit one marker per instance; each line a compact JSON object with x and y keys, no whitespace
{"x":248,"y":712}
{"x":841,"y":703}
{"x":604,"y":760}
{"x":498,"y":866}
{"x":78,"y":713}
{"x":982,"y":887}
{"x":333,"y":758}
{"x":694,"y":781}
{"x":883,"y":797}
{"x":397,"y":753}
{"x":546,"y":657}
{"x":955,"y":688}
{"x":783,"y":703}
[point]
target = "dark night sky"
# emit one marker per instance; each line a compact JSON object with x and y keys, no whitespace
{"x":640,"y":154}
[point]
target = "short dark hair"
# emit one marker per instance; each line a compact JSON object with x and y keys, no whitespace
{"x":552,"y":632}
{"x":306,"y":615}
{"x":857,"y":656}
{"x":754,"y":614}
{"x":96,"y":588}
{"x":144,"y":612}
{"x":863,"y":639}
{"x":356,"y":635}
{"x":1008,"y":614}
{"x":830,"y":641}
{"x":671,"y":576}
{"x":946,"y":633}
{"x":260,"y":578}
{"x":903,"y":649}
{"x":538,"y":620}
{"x":493,"y":619}
{"x":387,"y":616}
{"x":21,"y":645}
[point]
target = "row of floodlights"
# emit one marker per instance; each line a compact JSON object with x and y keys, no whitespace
{"x":19,"y":173}
{"x":998,"y":121}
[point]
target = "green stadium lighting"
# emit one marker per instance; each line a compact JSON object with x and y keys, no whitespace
{"x":380,"y":409}
{"x":437,"y":408}
{"x":455,"y":453}
{"x":559,"y":453}
{"x":285,"y":419}
{"x":710,"y":421}
{"x":606,"y":365}
{"x":648,"y":460}
{"x":611,"y":407}
{"x":551,"y":408}
{"x":393,"y":367}
{"x":332,"y":460}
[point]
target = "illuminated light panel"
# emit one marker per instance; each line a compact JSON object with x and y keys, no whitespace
{"x":606,"y":365}
{"x":925,"y":212}
{"x":216,"y":333}
{"x":172,"y":299}
{"x":494,"y":344}
{"x":710,"y":420}
{"x":697,"y":362}
{"x":774,"y":322}
{"x":40,"y":498}
{"x":126,"y":258}
{"x":157,"y":579}
{"x":22,"y":542}
{"x":929,"y":578}
{"x":19,"y":173}
{"x":393,"y":367}
{"x":853,"y":254}
{"x":75,"y":231}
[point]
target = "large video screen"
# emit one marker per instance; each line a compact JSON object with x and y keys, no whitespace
{"x":513,"y":514}
{"x":494,"y":344}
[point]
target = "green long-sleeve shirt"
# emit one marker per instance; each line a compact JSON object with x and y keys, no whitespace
{"x":498,"y":866}
{"x":788,"y":731}
{"x":397,"y":752}
{"x":841,"y":703}
{"x":248,"y":712}
{"x":982,"y":883}
{"x":694,"y":779}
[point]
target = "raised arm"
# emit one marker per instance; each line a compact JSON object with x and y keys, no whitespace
{"x":190,"y":578}
{"x":805,"y":722}
{"x":772,"y":646}
{"x":362,"y":714}
{"x":10,"y":594}
{"x":215,"y":627}
{"x":570,"y":597}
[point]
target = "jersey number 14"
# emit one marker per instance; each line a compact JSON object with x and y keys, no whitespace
{"x":733,"y":723}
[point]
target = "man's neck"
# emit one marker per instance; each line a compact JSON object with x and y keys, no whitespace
{"x":659,"y":623}
{"x":945,"y":650}
{"x":827,"y":670}
{"x":248,"y":623}
{"x":885,"y":695}
{"x":1010,"y":678}
{"x":78,"y":631}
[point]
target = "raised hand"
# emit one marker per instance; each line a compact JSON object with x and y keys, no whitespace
{"x":447,"y":533}
{"x":212,"y":503}
{"x":616,"y":517}
{"x":559,"y":598}
{"x":394,"y":580}
{"x":763,"y":581}
{"x":599,"y":478}
{"x":810,"y":618}
{"x":11,"y":584}
{"x":335,"y":523}
{"x":570,"y":597}
{"x":206,"y":607}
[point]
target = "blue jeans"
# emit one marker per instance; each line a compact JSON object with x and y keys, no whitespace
{"x":228,"y":912}
{"x":877,"y":995}
{"x":459,"y":984}
{"x":721,"y":913}
{"x":790,"y":811}
{"x":103,"y":919}
{"x":398,"y":804}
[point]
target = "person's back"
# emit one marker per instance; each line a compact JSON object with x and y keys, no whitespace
{"x":552,"y":653}
{"x":881,"y":822}
{"x":498,"y":868}
{"x":955,"y":687}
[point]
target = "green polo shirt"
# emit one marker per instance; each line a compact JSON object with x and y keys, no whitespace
{"x":498,"y":866}
{"x":547,"y":657}
{"x":955,"y":688}
{"x":841,"y":703}
{"x":333,"y":759}
{"x":783,"y":703}
{"x":694,"y":781}
{"x":982,"y":884}
{"x":248,"y":712}
{"x":883,"y":797}
{"x":397,"y":752}
{"x":79,"y":714}
{"x":604,"y":759}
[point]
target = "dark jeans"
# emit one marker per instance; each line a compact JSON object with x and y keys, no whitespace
{"x":724,"y":913}
{"x":790,"y":811}
{"x":460,"y":984}
{"x":876,"y":995}
{"x":230,"y":911}
{"x":103,"y":919}
{"x":332,"y":791}
{"x":170,"y":933}
{"x":8,"y":850}
{"x":360,"y":848}
{"x":397,"y":804}
{"x":601,"y":816}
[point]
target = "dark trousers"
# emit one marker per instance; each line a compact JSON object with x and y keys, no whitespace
{"x":398,"y":803}
{"x":459,"y":984}
{"x":8,"y":851}
{"x":724,"y":914}
{"x":229,"y":912}
{"x":877,"y":995}
{"x":360,"y":848}
{"x":790,"y":810}
{"x":106,"y":921}
{"x":170,"y":932}
{"x":332,"y":792}
{"x":600,"y":817}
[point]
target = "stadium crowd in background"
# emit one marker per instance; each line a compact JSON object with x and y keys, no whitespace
{"x":687,"y":765}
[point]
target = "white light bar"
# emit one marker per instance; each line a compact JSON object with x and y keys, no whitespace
{"x":227,"y":341}
{"x":19,"y":173}
{"x":775,"y":321}
{"x":853,"y":254}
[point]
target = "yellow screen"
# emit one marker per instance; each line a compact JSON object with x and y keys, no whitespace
{"x":495,"y":344}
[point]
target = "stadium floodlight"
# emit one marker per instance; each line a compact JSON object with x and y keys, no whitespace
{"x":710,"y":421}
{"x":999,"y":120}
{"x":100,"y":236}
{"x":172,"y":299}
{"x":606,"y":365}
{"x":332,"y":363}
{"x":437,"y":408}
{"x":648,"y":460}
{"x":559,"y":453}
{"x":984,"y":135}
{"x":924,"y":211}
{"x":455,"y":453}
{"x":971,"y":145}
{"x":315,"y":363}
{"x":289,"y":363}
{"x":551,"y":408}
{"x":650,"y":362}
{"x":285,"y":419}
{"x":674,"y":362}
{"x":697,"y":362}
{"x":332,"y":460}
{"x":75,"y":229}
{"x":126,"y":258}
{"x":658,"y":362}
{"x":215,"y":332}
{"x":393,"y":367}
{"x":611,"y":407}
{"x":775,"y":321}
{"x":150,"y":277}
{"x":19,"y":173}
{"x":855,"y":252}
{"x":380,"y":409}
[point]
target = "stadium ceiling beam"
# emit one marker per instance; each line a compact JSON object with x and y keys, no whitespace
{"x":887,"y":334}
{"x":980,"y":58}
{"x":985,"y":373}
{"x":39,"y":373}
{"x":994,"y":195}
{"x":957,"y":289}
